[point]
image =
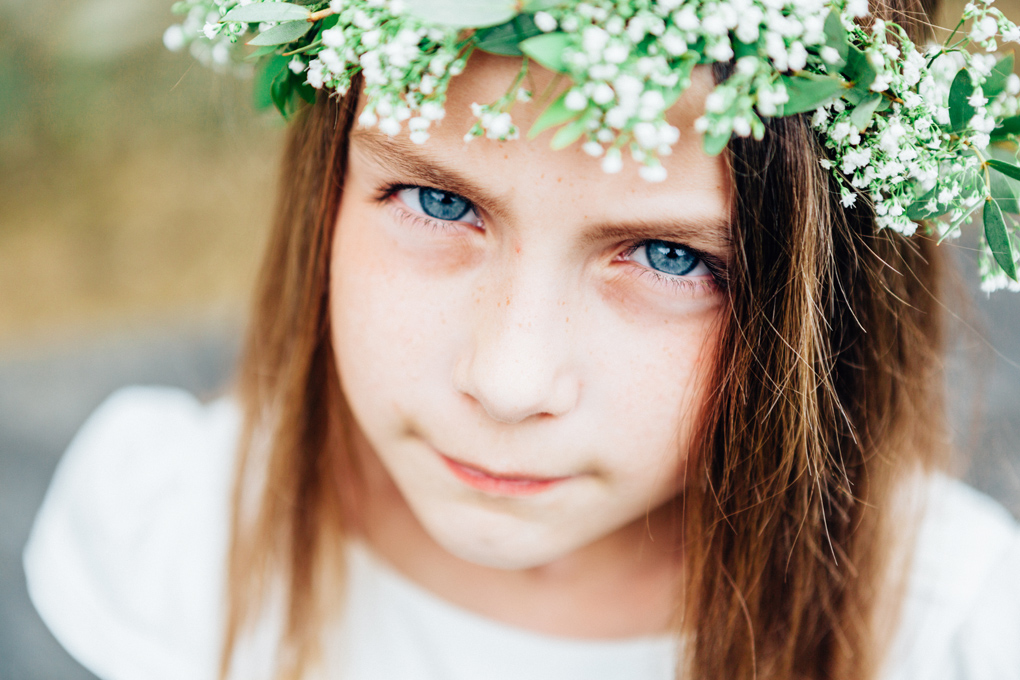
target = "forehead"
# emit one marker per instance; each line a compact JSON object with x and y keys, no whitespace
{"x":523,"y":168}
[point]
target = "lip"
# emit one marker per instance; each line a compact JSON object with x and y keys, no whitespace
{"x":498,"y":484}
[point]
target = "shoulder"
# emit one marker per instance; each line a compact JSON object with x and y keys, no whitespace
{"x":125,"y":560}
{"x":961,"y":617}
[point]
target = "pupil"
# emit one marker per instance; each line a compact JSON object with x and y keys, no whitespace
{"x":670,"y":258}
{"x":442,"y":205}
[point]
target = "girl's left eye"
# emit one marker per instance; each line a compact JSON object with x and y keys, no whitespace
{"x":438,"y":205}
{"x":668,"y":258}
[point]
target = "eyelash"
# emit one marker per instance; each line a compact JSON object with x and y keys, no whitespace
{"x":408,"y":216}
{"x":677,"y":284}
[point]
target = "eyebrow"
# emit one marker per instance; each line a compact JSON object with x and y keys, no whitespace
{"x":710,"y":231}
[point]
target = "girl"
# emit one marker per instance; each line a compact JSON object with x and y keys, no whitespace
{"x":503,"y":415}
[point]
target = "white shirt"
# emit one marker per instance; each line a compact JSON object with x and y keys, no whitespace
{"x":126,"y":564}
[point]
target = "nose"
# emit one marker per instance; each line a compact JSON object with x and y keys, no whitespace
{"x":519,"y":363}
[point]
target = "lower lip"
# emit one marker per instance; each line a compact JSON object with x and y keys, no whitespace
{"x":502,"y":486}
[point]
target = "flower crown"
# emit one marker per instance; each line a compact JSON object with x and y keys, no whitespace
{"x":926,"y":135}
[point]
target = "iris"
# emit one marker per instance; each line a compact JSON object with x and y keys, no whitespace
{"x":670,"y":258}
{"x":443,"y":205}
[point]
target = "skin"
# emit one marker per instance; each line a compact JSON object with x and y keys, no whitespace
{"x":530,"y":339}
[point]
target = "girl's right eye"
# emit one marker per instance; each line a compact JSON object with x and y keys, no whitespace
{"x":436,"y":204}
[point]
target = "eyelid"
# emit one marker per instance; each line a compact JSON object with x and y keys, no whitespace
{"x":391,"y":191}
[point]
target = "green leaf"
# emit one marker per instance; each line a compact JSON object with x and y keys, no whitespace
{"x":282,"y":34}
{"x":1003,"y":192}
{"x":257,"y":12}
{"x":265,"y":74}
{"x":862,"y":113}
{"x":280,"y":92}
{"x":547,"y":50}
{"x":568,"y":134}
{"x":505,"y":39}
{"x":714,"y":144}
{"x":858,"y":70}
{"x":263,"y":51}
{"x":461,"y":14}
{"x":960,"y":110}
{"x":998,"y":238}
{"x":555,"y":114}
{"x":808,"y":91}
{"x":1010,"y":126}
{"x":1005,"y":168}
{"x":918,"y":210}
{"x":539,"y":5}
{"x":836,"y":37}
{"x":996,"y":80}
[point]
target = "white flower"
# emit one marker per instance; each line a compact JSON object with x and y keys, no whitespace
{"x":545,"y":22}
{"x":367,"y":118}
{"x":674,"y":43}
{"x":652,"y":173}
{"x":333,"y":37}
{"x":646,"y":135}
{"x":830,"y":55}
{"x":296,"y":65}
{"x":741,"y":126}
{"x":616,"y":53}
{"x":419,"y":137}
{"x":389,"y":126}
{"x":315,"y":76}
{"x":849,"y":199}
{"x":798,"y":56}
{"x":686,"y":19}
{"x":1013,"y":84}
{"x":211,"y":30}
{"x":576,"y":100}
{"x":499,"y":127}
{"x":984,"y":28}
{"x":840,"y":131}
{"x":721,"y":51}
{"x":612,"y":163}
{"x":715,"y":102}
{"x":593,"y":148}
{"x":594,"y":39}
{"x":881,"y":83}
{"x":1011,"y":34}
{"x":857,"y":8}
{"x":978,"y":98}
{"x":602,"y":94}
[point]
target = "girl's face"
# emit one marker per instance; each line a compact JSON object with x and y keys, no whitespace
{"x":525,"y":341}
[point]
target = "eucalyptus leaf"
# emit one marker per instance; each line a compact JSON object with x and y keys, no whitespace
{"x":568,"y":134}
{"x":263,"y":51}
{"x":808,"y":91}
{"x":265,"y":74}
{"x":462,"y":13}
{"x":862,"y":113}
{"x":282,"y":34}
{"x":547,"y":50}
{"x":836,"y":37}
{"x":505,"y":39}
{"x":996,"y":80}
{"x":1004,"y":192}
{"x":918,"y":210}
{"x":960,"y":109}
{"x":280,"y":92}
{"x":555,"y":114}
{"x":257,"y":12}
{"x":714,"y":144}
{"x":1010,"y":126}
{"x":1005,"y":168}
{"x":998,"y":238}
{"x":859,"y":70}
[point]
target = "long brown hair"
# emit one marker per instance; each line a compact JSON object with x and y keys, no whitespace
{"x":827,"y":398}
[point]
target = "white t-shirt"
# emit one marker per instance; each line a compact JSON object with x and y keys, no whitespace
{"x":125,"y":565}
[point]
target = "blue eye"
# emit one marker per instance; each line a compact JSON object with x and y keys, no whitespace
{"x":442,"y":205}
{"x":670,"y":258}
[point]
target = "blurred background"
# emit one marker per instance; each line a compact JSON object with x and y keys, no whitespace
{"x":135,"y":189}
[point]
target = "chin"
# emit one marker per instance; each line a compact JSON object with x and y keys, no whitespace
{"x":500,"y":544}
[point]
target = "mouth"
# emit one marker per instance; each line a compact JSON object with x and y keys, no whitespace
{"x":500,"y":484}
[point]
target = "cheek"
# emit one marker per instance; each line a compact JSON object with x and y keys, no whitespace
{"x":657,"y":391}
